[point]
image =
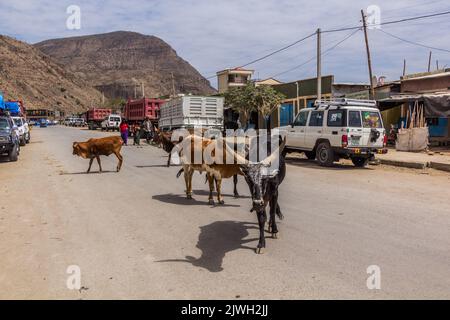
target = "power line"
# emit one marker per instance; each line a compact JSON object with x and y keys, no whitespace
{"x":279,"y":50}
{"x":391,"y":22}
{"x":412,"y":42}
{"x":323,"y":53}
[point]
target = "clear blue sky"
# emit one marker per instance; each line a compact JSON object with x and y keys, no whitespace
{"x":213,"y":35}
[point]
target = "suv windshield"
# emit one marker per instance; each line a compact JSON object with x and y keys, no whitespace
{"x":18,"y":122}
{"x":114,"y":119}
{"x":4,"y":125}
{"x":371,"y":119}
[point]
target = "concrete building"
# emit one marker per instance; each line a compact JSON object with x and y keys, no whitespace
{"x":230,"y":78}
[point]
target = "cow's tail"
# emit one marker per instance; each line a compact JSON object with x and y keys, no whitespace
{"x":180,"y":172}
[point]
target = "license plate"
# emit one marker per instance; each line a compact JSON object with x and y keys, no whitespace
{"x":354,"y":141}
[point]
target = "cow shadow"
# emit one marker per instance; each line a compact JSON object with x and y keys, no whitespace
{"x":84,"y":172}
{"x":206,"y":193}
{"x":182,"y":200}
{"x":216,"y":240}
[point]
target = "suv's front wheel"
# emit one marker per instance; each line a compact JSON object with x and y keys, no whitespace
{"x":325,"y":155}
{"x":14,"y":154}
{"x":360,"y":161}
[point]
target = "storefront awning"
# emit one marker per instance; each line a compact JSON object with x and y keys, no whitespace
{"x":436,"y":104}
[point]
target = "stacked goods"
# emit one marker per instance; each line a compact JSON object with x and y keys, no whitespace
{"x":413,"y":137}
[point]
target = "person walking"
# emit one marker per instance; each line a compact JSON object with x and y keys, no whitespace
{"x":147,"y":126}
{"x":137,"y":135}
{"x":124,"y":131}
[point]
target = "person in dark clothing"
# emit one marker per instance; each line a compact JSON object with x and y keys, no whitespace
{"x":147,"y":128}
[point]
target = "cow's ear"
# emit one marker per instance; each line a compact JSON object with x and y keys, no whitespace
{"x":75,"y":144}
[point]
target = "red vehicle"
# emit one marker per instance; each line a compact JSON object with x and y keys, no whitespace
{"x":95,"y":116}
{"x":137,"y":110}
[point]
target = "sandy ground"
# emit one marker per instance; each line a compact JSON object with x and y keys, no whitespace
{"x":134,"y":235}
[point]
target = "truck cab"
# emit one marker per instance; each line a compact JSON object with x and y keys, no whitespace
{"x":9,"y":140}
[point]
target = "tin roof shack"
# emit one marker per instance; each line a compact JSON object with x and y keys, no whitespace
{"x":432,"y":90}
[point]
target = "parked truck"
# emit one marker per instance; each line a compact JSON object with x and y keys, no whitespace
{"x":95,"y":117}
{"x":136,"y":111}
{"x":192,"y":112}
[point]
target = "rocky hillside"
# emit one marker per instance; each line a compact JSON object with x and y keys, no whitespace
{"x":28,"y":74}
{"x":118,"y":63}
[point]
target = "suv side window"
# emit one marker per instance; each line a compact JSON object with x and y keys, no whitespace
{"x":354,"y":119}
{"x":316,"y":119}
{"x":301,"y":119}
{"x":336,"y":118}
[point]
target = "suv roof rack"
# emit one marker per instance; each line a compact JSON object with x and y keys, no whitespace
{"x":339,"y":102}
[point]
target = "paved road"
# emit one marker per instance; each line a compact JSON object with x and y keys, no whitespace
{"x":134,"y":235}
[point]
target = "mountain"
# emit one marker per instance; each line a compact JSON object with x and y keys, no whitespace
{"x":29,"y":75}
{"x":118,"y":63}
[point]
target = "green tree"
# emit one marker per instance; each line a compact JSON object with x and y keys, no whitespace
{"x":244,"y":100}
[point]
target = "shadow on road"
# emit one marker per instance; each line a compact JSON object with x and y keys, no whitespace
{"x":305,"y":163}
{"x":216,"y":240}
{"x":84,"y":172}
{"x":182,"y":200}
{"x":206,"y":193}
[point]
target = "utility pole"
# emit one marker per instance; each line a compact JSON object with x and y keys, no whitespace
{"x":404,"y":67}
{"x":143,"y":90}
{"x":369,"y":62}
{"x":319,"y":66}
{"x":429,"y":62}
{"x":173,"y":85}
{"x":437,"y":64}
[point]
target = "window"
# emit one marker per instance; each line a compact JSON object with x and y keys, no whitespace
{"x":316,"y":119}
{"x":371,"y":119}
{"x":336,"y":118}
{"x":354,"y":119}
{"x":4,"y":124}
{"x":301,"y":119}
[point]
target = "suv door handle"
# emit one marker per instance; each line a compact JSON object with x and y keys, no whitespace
{"x":320,"y":131}
{"x":334,"y":132}
{"x":302,"y":130}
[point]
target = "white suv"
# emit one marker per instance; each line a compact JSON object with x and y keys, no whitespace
{"x":23,"y":130}
{"x":341,"y":128}
{"x":111,"y":122}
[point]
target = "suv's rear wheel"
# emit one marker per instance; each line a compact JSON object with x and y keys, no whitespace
{"x":325,"y":155}
{"x":360,"y":161}
{"x":311,"y":155}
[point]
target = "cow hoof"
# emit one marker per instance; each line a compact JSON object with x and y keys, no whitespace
{"x":275,"y":235}
{"x":259,"y":250}
{"x":211,"y":202}
{"x":236,"y":195}
{"x":221,"y":202}
{"x":189,"y":197}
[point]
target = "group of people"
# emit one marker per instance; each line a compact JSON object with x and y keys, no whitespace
{"x":146,"y":130}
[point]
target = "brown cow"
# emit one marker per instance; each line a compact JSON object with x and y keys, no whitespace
{"x":94,"y":148}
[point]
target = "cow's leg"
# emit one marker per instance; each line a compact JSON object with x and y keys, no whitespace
{"x":119,"y":156}
{"x":168,"y":159}
{"x":188,"y":181}
{"x":90,"y":165}
{"x":219,"y":190}
{"x":99,"y":163}
{"x":261,"y":221}
{"x":211,"y":188}
{"x":235,"y":182}
{"x":279,"y":214}
{"x":273,"y":208}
